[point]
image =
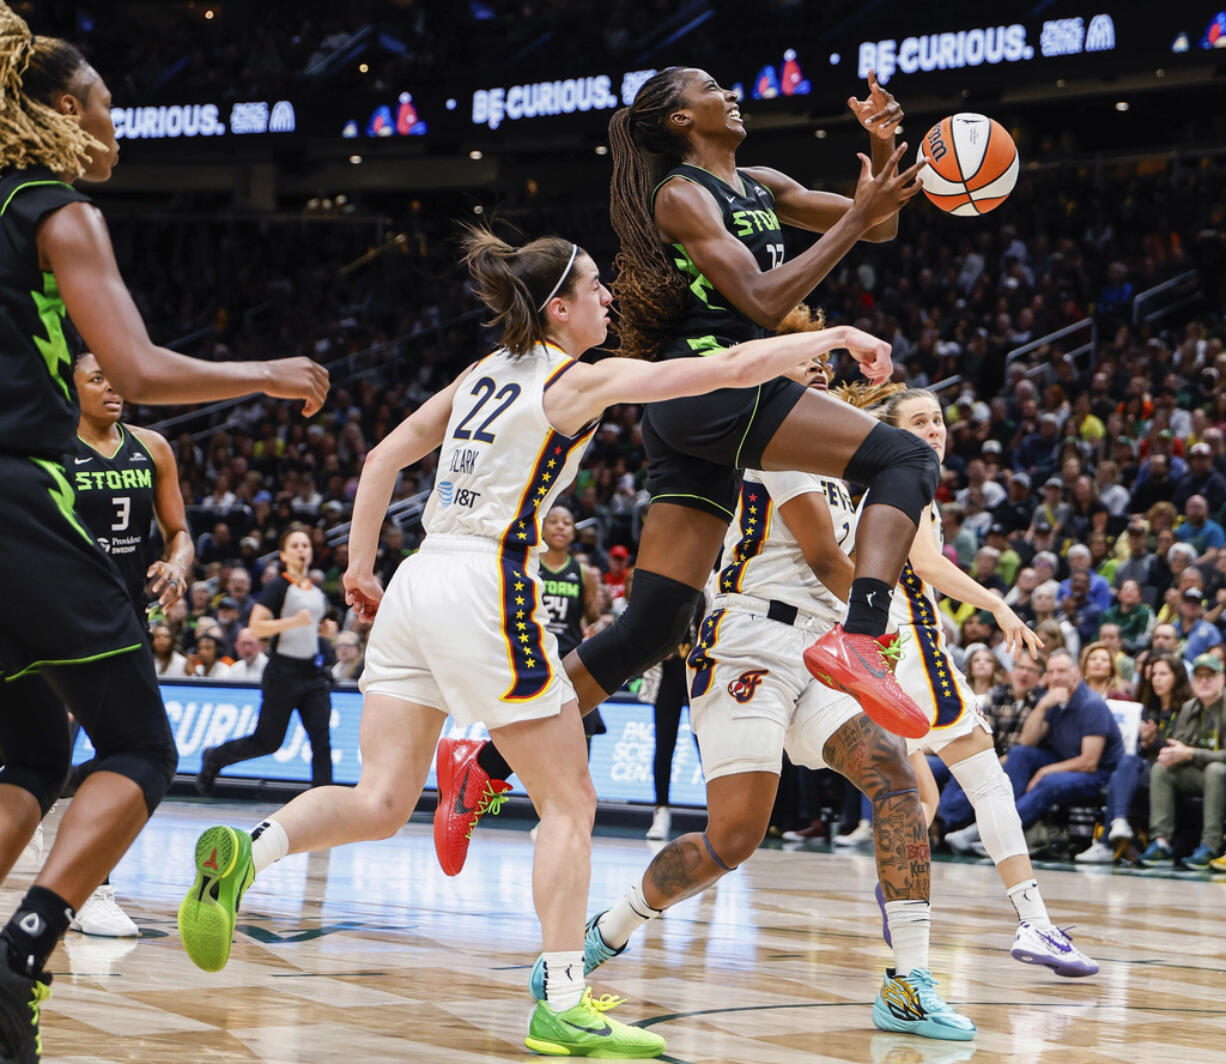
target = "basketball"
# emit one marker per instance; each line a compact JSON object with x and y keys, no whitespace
{"x":972,"y":164}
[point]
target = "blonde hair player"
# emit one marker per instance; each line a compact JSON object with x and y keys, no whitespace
{"x":960,"y":735}
{"x":462,"y":629}
{"x":785,"y":578}
{"x":75,"y":641}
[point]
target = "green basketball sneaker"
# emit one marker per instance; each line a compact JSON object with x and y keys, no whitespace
{"x":585,"y":1031}
{"x":223,"y":873}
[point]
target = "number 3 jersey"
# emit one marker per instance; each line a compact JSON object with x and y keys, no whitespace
{"x":502,"y":464}
{"x":115,"y":498}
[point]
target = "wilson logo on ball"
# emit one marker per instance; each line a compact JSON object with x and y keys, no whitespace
{"x":972,"y":164}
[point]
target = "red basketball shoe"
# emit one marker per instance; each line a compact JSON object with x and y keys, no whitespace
{"x":863,"y":667}
{"x":465,"y":794}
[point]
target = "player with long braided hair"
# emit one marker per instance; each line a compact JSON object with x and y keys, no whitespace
{"x":76,"y":640}
{"x":701,"y":268}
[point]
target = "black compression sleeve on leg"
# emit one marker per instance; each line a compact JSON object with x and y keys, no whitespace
{"x":898,"y":468}
{"x":654,"y":621}
{"x":494,"y":764}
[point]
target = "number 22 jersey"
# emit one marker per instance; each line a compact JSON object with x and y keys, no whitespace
{"x":502,"y":463}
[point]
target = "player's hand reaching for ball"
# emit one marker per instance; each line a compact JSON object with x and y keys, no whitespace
{"x":880,"y":113}
{"x":881,"y":196}
{"x":298,"y":378}
{"x":363,"y":592}
{"x":872,"y":354}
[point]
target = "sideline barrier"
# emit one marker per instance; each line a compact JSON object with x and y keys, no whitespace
{"x":204,"y":714}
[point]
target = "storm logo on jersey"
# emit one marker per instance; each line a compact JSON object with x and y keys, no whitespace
{"x":746,"y":685}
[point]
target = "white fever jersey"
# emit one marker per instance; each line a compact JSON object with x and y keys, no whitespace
{"x":915,"y":602}
{"x":761,"y":556}
{"x":502,"y":464}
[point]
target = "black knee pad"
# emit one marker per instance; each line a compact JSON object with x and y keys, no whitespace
{"x":151,"y":769}
{"x":899,"y":468}
{"x":44,"y":782}
{"x":657,"y":617}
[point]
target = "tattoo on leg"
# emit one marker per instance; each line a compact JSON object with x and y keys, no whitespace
{"x":876,"y":762}
{"x":680,"y":869}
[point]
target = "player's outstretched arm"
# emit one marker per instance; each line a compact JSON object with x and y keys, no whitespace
{"x":585,"y":391}
{"x":74,"y":244}
{"x":933,"y":567}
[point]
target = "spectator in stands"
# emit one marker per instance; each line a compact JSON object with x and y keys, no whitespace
{"x":1196,"y":635}
{"x":957,"y":535}
{"x":1043,"y":605}
{"x":1078,"y":610}
{"x":1192,"y":761}
{"x":229,"y":623}
{"x":1157,"y":486}
{"x":207,"y":660}
{"x":615,"y":576}
{"x":215,"y":546}
{"x":238,"y":587}
{"x":249,"y":658}
{"x":1098,"y":669}
{"x":1205,"y":535}
{"x":1053,"y":510}
{"x":983,"y":569}
{"x":1020,"y":593}
{"x":1069,"y":746}
{"x":1163,"y":690}
{"x":1139,"y":565}
{"x":1134,"y":619}
{"x":1110,"y":491}
{"x":1125,"y":665}
{"x":1099,"y":590}
{"x":977,"y":477}
{"x":1038,"y":452}
{"x":1015,"y":513}
{"x":1201,"y":479}
{"x":1008,"y":561}
{"x":349,"y":659}
{"x":170,"y":664}
{"x":391,"y":553}
{"x":983,"y":672}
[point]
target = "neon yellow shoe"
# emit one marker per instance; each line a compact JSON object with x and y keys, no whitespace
{"x":206,"y":917}
{"x":585,"y":1031}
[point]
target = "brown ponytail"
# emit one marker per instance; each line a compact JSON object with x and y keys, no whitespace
{"x":32,"y":70}
{"x":515,"y":282}
{"x":649,"y":289}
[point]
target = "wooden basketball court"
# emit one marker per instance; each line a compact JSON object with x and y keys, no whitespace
{"x":371,"y":954}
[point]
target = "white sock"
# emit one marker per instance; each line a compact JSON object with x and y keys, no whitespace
{"x":1029,"y":903}
{"x":563,"y":979}
{"x":627,"y":916}
{"x":910,"y":922}
{"x":269,"y":844}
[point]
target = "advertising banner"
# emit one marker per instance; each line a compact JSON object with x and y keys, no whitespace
{"x":206,"y":714}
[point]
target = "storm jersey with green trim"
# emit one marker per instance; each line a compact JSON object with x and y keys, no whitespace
{"x":710,"y":321}
{"x":563,"y":601}
{"x":115,"y":501}
{"x":38,"y":399}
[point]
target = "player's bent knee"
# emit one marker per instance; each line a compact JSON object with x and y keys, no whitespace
{"x":152,"y":770}
{"x":43,"y":782}
{"x":899,"y":468}
{"x":656,"y":619}
{"x":734,"y":843}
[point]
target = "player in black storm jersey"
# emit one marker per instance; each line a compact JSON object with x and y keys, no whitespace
{"x":75,"y":641}
{"x":125,"y":477}
{"x":702,"y":267}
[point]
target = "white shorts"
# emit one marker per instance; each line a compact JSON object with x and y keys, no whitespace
{"x":463,"y":631}
{"x":927,"y":673}
{"x":751,"y":695}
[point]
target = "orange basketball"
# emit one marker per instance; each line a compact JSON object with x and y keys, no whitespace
{"x":972,"y":164}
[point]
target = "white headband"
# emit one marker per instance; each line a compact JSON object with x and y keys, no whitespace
{"x":574,"y":250}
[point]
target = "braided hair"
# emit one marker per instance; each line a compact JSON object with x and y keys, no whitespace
{"x":32,"y":70}
{"x":650,"y":291}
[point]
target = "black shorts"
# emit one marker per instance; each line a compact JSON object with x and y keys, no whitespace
{"x":64,"y":600}
{"x":697,"y":446}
